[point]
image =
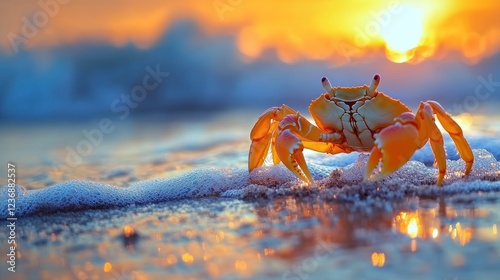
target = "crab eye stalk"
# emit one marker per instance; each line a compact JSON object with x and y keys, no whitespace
{"x":374,"y":84}
{"x":326,"y":84}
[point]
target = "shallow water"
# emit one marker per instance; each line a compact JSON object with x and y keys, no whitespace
{"x":175,"y":217}
{"x":286,"y":238}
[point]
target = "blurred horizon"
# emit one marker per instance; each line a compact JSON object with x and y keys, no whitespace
{"x":76,"y":60}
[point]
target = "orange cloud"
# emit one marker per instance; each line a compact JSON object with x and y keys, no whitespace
{"x":336,"y":31}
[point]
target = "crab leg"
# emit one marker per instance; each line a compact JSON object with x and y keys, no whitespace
{"x":323,"y":147}
{"x":276,"y":159}
{"x":456,"y":134}
{"x":396,"y":144}
{"x":433,"y":133}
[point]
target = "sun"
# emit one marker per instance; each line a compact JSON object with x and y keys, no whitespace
{"x":403,"y":32}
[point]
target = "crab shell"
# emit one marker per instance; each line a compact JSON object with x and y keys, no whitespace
{"x":356,"y":114}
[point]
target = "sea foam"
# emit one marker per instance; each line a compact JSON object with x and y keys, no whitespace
{"x":341,"y":183}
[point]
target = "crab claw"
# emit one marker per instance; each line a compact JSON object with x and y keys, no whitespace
{"x":263,"y":124}
{"x":258,"y":150}
{"x":394,"y":146}
{"x":289,"y":149}
{"x":261,"y":136}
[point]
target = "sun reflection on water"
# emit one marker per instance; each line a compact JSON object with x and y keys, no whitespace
{"x":378,"y":259}
{"x":413,"y":228}
{"x":428,"y":224}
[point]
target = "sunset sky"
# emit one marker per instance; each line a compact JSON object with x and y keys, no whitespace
{"x":62,"y":58}
{"x":337,"y":31}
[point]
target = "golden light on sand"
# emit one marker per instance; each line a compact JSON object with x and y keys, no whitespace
{"x":187,"y":258}
{"x":107,"y":267}
{"x":170,"y":259}
{"x":240,"y":265}
{"x":128,"y":231}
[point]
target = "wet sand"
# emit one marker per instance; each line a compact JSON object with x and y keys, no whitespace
{"x":285,"y":238}
{"x":273,"y":229}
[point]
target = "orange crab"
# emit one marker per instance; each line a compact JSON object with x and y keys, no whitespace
{"x":359,"y":119}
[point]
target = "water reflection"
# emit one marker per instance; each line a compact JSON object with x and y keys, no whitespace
{"x":438,"y":222}
{"x":307,"y":225}
{"x":130,"y":237}
{"x":378,"y":259}
{"x":286,"y":237}
{"x":308,"y":222}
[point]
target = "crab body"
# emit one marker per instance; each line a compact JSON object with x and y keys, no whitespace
{"x":358,"y":119}
{"x":356,"y":115}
